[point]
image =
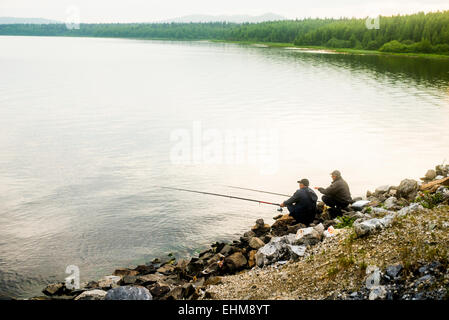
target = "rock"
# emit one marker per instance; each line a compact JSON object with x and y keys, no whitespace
{"x":296,"y":251}
{"x":260,"y":222}
{"x":277,"y":217}
{"x":227,"y":249}
{"x":235,"y":261}
{"x":125,"y":272}
{"x":319,"y":228}
{"x":270,"y":252}
{"x":149,"y":279}
{"x":280,"y":226}
{"x":108,"y":282}
{"x":54,"y":289}
{"x":166,"y":269}
{"x":159,"y":289}
{"x":410,"y":209}
{"x":95,"y":294}
{"x":390,"y":203}
{"x":294,"y":228}
{"x":260,"y":230}
{"x":252,"y":258}
{"x":176,"y":293}
{"x":393,"y":270}
{"x":442,"y":170}
{"x":308,"y":236}
{"x":382,"y":189}
{"x":143,"y":269}
{"x":377,"y":292}
{"x":430,"y":174}
{"x":127,"y":280}
{"x":359,"y":205}
{"x":256,"y":243}
{"x":128,"y":293}
{"x":267,"y":238}
{"x":408,"y":188}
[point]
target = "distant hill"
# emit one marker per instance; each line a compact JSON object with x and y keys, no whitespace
{"x":13,"y":20}
{"x":227,"y":18}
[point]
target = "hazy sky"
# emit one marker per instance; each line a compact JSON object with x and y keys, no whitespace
{"x":153,"y":10}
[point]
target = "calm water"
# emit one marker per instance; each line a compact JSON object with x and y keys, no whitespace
{"x":88,"y":131}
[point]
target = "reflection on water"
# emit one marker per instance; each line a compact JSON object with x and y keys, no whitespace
{"x":85,"y":129}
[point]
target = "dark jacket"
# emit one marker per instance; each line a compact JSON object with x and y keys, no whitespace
{"x":339,"y":190}
{"x":305,"y":200}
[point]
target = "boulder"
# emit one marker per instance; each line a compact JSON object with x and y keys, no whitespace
{"x":128,"y":293}
{"x":430,"y":174}
{"x":252,"y":258}
{"x":260,"y":230}
{"x":408,"y":189}
{"x":390,"y":203}
{"x":143,"y":269}
{"x":95,"y":294}
{"x":442,"y":170}
{"x":227,"y":249}
{"x":393,"y":271}
{"x":235,"y":261}
{"x":296,"y":251}
{"x":280,"y":226}
{"x":126,"y":280}
{"x":256,"y":243}
{"x":167,"y":269}
{"x":125,"y":272}
{"x":410,"y":209}
{"x":382,"y":189}
{"x":309,"y":236}
{"x":108,"y":282}
{"x":159,"y":289}
{"x":149,"y":279}
{"x":54,"y":289}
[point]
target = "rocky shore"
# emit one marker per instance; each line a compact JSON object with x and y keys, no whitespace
{"x":390,"y":245}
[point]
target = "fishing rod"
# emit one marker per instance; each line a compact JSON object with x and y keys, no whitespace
{"x":225,"y":196}
{"x":277,"y":194}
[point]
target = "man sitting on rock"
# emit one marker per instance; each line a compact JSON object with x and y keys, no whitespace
{"x":302,"y":205}
{"x":337,"y":195}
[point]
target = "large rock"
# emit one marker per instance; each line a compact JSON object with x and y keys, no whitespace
{"x":159,"y":289}
{"x":235,"y":261}
{"x":54,"y":289}
{"x":280,"y":248}
{"x":408,"y":189}
{"x":128,"y":293}
{"x":296,"y":251}
{"x":442,"y":170}
{"x":390,"y":202}
{"x":109,"y":282}
{"x":95,"y":294}
{"x":149,"y":279}
{"x":309,"y":236}
{"x":252,"y":258}
{"x":281,"y":226}
{"x":125,"y":272}
{"x":256,"y":243}
{"x":260,"y":229}
{"x":430,"y":175}
{"x":382,"y":189}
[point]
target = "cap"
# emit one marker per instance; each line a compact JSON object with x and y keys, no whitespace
{"x":304,"y":182}
{"x":336,"y":173}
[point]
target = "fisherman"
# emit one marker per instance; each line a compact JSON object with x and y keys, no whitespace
{"x":337,"y":195}
{"x":302,"y":205}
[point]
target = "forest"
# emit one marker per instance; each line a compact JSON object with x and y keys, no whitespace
{"x":420,"y":32}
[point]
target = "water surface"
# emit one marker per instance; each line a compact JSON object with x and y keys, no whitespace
{"x":85,"y":139}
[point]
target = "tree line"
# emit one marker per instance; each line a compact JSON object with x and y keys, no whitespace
{"x":420,"y":32}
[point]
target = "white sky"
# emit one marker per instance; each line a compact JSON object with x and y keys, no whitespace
{"x":154,"y":10}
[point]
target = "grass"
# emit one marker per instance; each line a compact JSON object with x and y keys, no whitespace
{"x":338,"y":50}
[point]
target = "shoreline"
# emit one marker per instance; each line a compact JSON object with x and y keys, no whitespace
{"x":336,"y":50}
{"x":273,"y":252}
{"x":267,"y":45}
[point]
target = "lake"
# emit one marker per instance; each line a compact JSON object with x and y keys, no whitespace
{"x":91,"y":128}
